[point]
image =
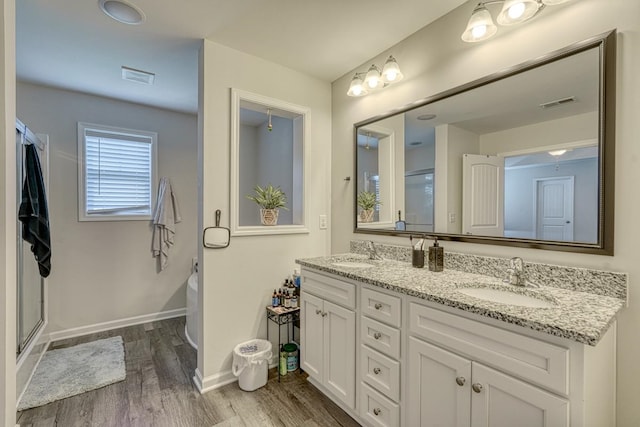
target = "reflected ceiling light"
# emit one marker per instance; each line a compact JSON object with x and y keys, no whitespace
{"x":426,"y":117}
{"x":122,"y":11}
{"x":374,"y":79}
{"x":557,"y":153}
{"x":481,"y":27}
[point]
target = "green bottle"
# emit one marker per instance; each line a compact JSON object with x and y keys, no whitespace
{"x":283,"y":362}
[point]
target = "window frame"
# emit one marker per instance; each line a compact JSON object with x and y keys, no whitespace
{"x":82,"y":208}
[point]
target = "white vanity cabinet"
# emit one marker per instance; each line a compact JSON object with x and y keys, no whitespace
{"x":465,"y":373}
{"x":380,"y":344}
{"x":328,"y":334}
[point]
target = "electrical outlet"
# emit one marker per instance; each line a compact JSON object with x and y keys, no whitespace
{"x":323,"y":222}
{"x":452,"y":218}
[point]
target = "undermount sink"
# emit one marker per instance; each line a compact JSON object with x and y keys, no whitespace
{"x":352,"y":264}
{"x":506,"y":297}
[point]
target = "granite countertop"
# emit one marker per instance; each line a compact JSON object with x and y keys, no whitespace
{"x":579,"y":316}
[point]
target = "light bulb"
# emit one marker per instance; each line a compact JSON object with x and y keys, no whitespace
{"x":372,"y":82}
{"x":391,"y":71}
{"x":516,"y":10}
{"x":478,"y":31}
{"x":391,"y":75}
{"x":357,"y":90}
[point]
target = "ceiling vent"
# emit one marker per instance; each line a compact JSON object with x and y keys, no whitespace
{"x":558,"y":102}
{"x":138,"y":76}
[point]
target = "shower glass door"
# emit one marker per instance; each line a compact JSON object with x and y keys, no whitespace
{"x":30,"y":291}
{"x":418,"y":194}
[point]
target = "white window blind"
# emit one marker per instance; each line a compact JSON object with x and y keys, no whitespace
{"x":118,"y":173}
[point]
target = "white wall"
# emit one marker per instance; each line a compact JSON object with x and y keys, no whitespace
{"x":435,"y":59}
{"x":104,"y":271}
{"x":236,"y":283}
{"x":7,"y":216}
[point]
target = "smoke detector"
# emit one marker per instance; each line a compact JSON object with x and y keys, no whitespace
{"x":138,"y":76}
{"x":122,"y":11}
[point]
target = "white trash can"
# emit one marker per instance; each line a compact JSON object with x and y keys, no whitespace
{"x":251,"y":363}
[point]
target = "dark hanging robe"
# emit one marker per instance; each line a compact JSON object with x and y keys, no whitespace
{"x":33,"y":212}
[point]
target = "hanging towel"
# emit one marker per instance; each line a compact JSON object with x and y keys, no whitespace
{"x":165,"y":218}
{"x":33,"y":212}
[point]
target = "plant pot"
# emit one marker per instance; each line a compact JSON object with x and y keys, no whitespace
{"x":366,"y":215}
{"x":269,"y":216}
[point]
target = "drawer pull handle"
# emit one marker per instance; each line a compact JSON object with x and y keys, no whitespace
{"x":377,"y":335}
{"x":377,"y":411}
{"x":477,"y":387}
{"x":318,"y":311}
{"x":324,"y":314}
{"x":460,"y":381}
{"x":376,"y":371}
{"x":378,"y":306}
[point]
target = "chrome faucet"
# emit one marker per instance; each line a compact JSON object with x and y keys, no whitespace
{"x":373,"y":253}
{"x":515,"y":273}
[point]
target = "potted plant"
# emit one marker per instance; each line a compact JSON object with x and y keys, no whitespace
{"x":367,"y":202}
{"x":270,"y":199}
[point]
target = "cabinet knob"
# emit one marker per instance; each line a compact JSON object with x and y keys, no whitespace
{"x":460,"y":381}
{"x":318,"y":311}
{"x":324,"y":314}
{"x":477,"y":387}
{"x":378,"y":306}
{"x":376,"y":371}
{"x":376,"y":411}
{"x":377,"y":335}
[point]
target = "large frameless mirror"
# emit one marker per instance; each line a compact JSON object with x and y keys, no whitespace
{"x":523,"y":157}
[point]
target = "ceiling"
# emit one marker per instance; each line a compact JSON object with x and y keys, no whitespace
{"x":71,"y":44}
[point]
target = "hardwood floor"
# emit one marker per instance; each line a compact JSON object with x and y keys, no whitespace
{"x":158,"y":392}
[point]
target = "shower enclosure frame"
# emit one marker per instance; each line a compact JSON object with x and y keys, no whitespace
{"x":24,"y":136}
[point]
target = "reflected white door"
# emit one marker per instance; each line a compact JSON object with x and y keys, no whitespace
{"x":482,"y":195}
{"x":554,"y":208}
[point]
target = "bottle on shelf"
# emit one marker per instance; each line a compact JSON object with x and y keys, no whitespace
{"x":294,"y":301}
{"x":274,"y":299}
{"x":287,"y":299}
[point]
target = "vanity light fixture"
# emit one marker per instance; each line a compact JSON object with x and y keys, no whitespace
{"x":481,"y":27}
{"x":373,"y":79}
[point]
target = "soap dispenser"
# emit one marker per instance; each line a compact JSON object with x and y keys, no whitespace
{"x":436,"y":257}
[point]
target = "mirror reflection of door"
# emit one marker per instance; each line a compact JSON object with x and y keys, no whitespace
{"x":554,"y":208}
{"x":482,"y":195}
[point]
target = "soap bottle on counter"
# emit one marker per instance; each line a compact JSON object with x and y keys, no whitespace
{"x":436,"y":257}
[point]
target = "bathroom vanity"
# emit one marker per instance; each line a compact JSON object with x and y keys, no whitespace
{"x":400,"y":346}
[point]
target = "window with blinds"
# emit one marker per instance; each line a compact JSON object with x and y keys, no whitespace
{"x":116,"y":173}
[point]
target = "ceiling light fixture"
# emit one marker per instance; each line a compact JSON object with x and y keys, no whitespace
{"x":557,"y":153}
{"x":374,"y":79}
{"x":481,"y":27}
{"x":122,"y":11}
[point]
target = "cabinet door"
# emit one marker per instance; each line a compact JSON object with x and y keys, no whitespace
{"x":435,"y":397}
{"x":311,"y":335}
{"x":340,"y":352}
{"x":503,"y":401}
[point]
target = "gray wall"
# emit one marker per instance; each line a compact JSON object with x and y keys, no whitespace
{"x":104,"y":271}
{"x":519,"y":196}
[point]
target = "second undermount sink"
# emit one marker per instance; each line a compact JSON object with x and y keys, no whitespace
{"x":506,"y":297}
{"x":352,"y":264}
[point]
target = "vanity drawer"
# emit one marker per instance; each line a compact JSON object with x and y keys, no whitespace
{"x":380,"y":337}
{"x":380,"y":372}
{"x":376,"y":409}
{"x":380,"y":306}
{"x":329,"y":289}
{"x":525,"y":357}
